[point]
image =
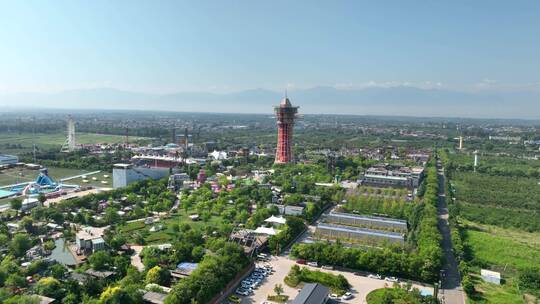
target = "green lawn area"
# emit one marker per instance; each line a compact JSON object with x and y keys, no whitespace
{"x":100,"y":177}
{"x":20,"y":175}
{"x":55,"y":140}
{"x":166,"y":235}
{"x":394,"y":295}
{"x":505,"y":251}
{"x":502,"y":250}
{"x":495,"y":294}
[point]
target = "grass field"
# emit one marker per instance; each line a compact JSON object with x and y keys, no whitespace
{"x":55,"y":140}
{"x":505,"y":251}
{"x":167,"y":234}
{"x":21,"y":175}
{"x":495,"y":294}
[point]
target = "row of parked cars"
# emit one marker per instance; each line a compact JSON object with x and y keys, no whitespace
{"x":254,"y":280}
{"x":379,"y":277}
{"x":314,"y":264}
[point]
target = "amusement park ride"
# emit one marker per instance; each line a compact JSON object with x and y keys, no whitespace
{"x":44,"y":184}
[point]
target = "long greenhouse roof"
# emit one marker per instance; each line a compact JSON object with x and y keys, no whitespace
{"x":371,"y":218}
{"x":392,"y":235}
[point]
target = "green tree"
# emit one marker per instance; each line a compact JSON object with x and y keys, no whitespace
{"x":157,"y":275}
{"x":278,"y":289}
{"x":58,"y":271}
{"x":100,"y":260}
{"x":15,"y":204}
{"x":42,"y":198}
{"x":20,"y":244}
{"x":49,"y":287}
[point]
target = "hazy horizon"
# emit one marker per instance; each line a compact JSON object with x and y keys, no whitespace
{"x":458,"y":58}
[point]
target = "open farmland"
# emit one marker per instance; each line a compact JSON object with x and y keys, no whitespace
{"x":498,"y":200}
{"x":11,"y":143}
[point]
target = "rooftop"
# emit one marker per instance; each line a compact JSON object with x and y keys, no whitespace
{"x":371,"y":218}
{"x":312,"y":293}
{"x":276,"y":220}
{"x":372,"y":232}
{"x":154,"y":297}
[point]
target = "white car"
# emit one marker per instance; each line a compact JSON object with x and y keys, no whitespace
{"x":375,"y":276}
{"x":391,"y":279}
{"x":328,"y":267}
{"x":347,"y":296}
{"x":313,"y":264}
{"x":334,"y":296}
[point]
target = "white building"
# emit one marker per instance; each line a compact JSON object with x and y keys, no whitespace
{"x":218,"y":155}
{"x":90,"y":239}
{"x":491,"y":276}
{"x":29,"y":203}
{"x":125,"y":174}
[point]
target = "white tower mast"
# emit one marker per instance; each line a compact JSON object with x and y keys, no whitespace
{"x":475,"y":159}
{"x":70,"y":144}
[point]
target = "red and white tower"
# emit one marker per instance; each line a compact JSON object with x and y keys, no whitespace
{"x":285,"y":116}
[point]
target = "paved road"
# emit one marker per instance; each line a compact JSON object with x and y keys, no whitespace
{"x":360,"y":285}
{"x":451,"y":291}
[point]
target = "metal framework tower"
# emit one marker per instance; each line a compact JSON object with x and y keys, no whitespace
{"x":285,"y":116}
{"x":70,"y":144}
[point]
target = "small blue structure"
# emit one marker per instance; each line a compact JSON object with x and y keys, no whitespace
{"x":184,"y":269}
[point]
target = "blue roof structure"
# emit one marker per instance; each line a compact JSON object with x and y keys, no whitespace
{"x":186,"y":266}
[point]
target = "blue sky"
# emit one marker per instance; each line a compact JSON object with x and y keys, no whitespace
{"x":222,"y":46}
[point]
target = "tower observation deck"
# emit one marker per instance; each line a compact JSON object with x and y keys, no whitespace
{"x":285,"y":117}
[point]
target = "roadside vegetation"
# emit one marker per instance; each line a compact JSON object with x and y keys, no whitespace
{"x":297,"y":275}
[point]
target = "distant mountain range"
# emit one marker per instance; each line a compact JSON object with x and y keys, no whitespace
{"x":403,"y":100}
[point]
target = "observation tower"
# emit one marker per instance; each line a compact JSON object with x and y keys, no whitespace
{"x":285,"y":117}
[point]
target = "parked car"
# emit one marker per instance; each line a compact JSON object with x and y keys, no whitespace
{"x":242,"y":292}
{"x":328,"y":267}
{"x":391,"y":279}
{"x":301,"y":261}
{"x":347,"y":296}
{"x":358,"y":273}
{"x":333,"y":296}
{"x":375,"y":276}
{"x":313,"y":264}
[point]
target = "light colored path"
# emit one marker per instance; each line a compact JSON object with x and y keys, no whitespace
{"x":136,"y":257}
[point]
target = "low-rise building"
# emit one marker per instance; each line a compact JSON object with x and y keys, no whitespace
{"x":6,"y":159}
{"x":29,"y":203}
{"x":375,"y":222}
{"x":312,"y":293}
{"x":333,"y":231}
{"x":125,"y":174}
{"x":90,"y":239}
{"x":387,"y":175}
{"x":152,"y":297}
{"x":289,"y":210}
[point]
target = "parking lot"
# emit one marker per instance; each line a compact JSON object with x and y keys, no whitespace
{"x":361,"y":285}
